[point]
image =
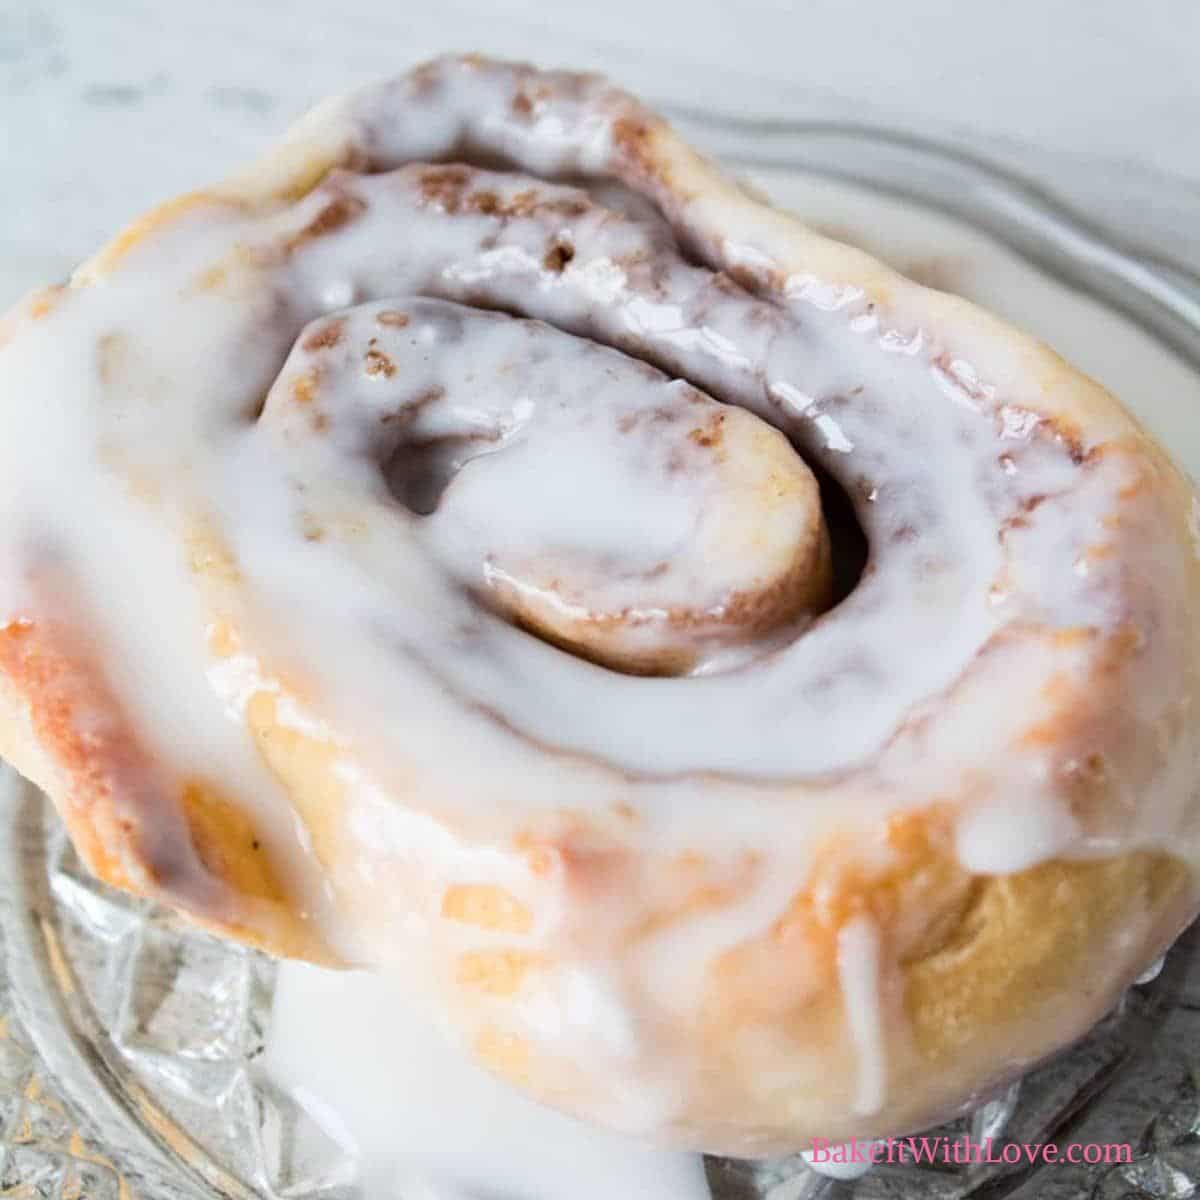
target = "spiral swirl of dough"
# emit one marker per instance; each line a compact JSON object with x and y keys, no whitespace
{"x":427,"y":549}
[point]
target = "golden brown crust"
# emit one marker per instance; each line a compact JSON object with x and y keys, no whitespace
{"x":66,"y":731}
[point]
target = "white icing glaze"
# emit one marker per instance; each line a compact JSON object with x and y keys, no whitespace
{"x":454,"y":732}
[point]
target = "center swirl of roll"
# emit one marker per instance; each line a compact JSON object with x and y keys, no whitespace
{"x":621,"y":514}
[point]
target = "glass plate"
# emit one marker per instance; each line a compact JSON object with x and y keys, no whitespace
{"x":128,"y":1040}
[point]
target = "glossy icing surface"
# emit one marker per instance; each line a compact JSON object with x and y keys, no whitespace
{"x":409,"y":513}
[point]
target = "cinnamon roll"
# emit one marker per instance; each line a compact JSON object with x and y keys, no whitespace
{"x":751,"y":695}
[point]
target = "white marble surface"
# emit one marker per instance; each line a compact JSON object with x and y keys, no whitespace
{"x":109,"y":105}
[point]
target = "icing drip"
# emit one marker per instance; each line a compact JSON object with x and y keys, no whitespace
{"x":858,"y":970}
